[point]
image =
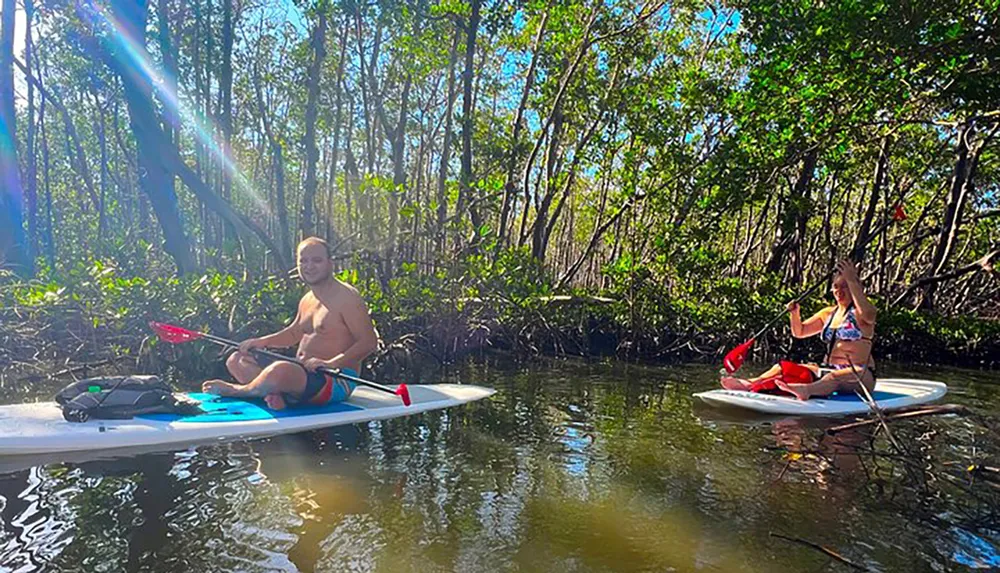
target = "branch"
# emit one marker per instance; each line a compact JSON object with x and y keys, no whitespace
{"x":244,"y":225}
{"x":598,"y":233}
{"x":985,"y":264}
{"x":936,"y":230}
{"x":79,"y":154}
{"x":916,"y":412}
{"x":826,"y":550}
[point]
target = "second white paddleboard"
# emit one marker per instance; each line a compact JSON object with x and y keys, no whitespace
{"x":890,"y":394}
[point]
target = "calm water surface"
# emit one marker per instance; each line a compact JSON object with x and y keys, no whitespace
{"x":569,"y":467}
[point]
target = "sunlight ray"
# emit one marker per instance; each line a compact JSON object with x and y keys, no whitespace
{"x":135,"y":59}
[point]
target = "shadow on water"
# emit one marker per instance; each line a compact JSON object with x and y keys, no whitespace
{"x":569,"y":467}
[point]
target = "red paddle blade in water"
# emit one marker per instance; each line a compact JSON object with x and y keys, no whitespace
{"x":403,"y":392}
{"x":736,"y":356}
{"x":173,"y":334}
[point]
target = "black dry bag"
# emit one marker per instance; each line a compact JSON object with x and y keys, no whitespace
{"x":120,"y":398}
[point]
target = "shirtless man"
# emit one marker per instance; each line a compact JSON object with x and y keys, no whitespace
{"x":332,"y":329}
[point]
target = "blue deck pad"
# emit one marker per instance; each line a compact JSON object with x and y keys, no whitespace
{"x":219,"y":409}
{"x":878,"y":396}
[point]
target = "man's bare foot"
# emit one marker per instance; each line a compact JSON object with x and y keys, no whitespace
{"x":220,"y":388}
{"x":733,"y":383}
{"x":798,"y":390}
{"x":275,"y":401}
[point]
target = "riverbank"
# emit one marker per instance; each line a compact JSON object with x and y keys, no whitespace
{"x":97,"y":316}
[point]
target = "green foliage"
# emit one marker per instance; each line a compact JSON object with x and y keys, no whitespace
{"x":904,"y":334}
{"x":107,"y":311}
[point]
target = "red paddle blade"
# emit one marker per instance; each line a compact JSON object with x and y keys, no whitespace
{"x":173,"y":334}
{"x":403,"y":392}
{"x":736,"y":356}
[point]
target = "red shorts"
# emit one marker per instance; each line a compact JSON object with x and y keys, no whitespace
{"x":791,"y":373}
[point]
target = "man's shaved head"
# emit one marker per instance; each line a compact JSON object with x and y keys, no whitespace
{"x":314,"y":241}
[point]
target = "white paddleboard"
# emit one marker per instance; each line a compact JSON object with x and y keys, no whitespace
{"x":40,"y":427}
{"x":890,"y":394}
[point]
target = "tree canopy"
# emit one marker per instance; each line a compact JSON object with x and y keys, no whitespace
{"x":685,"y":145}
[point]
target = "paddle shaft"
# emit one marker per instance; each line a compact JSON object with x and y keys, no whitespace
{"x":323,"y":369}
{"x":826,"y":277}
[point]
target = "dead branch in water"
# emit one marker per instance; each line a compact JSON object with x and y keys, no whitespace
{"x":915,"y":412}
{"x":825,"y":550}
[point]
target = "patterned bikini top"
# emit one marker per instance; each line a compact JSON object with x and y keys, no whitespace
{"x":848,"y":329}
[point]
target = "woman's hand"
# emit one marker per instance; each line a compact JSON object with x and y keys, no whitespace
{"x":792,"y":307}
{"x":865,"y":311}
{"x":847,"y":270}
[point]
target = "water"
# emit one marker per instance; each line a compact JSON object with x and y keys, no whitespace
{"x":570,"y":467}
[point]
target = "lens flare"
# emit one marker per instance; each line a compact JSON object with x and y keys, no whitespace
{"x":134,"y":59}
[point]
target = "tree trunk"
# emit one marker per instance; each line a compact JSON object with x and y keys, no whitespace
{"x":543,"y":220}
{"x":102,"y":216}
{"x":31,"y":179}
{"x":201,"y":164}
{"x":985,"y":263}
{"x":966,"y":164}
{"x":306,"y":223}
{"x":465,"y":194}
{"x":337,"y":119}
{"x":564,"y":82}
{"x":442,"y":198}
{"x":350,"y":172}
{"x":515,"y":140}
{"x":398,"y":142}
{"x":363,"y":85}
{"x":277,"y":168}
{"x":352,"y":179}
{"x":171,"y":120}
{"x":881,"y":166}
{"x":154,"y":178}
{"x":210,"y":173}
{"x":226,"y":94}
{"x":955,"y":202}
{"x":50,"y":245}
{"x":595,"y":236}
{"x":570,"y":173}
{"x":538,"y":242}
{"x":792,"y":222}
{"x":752,"y":241}
{"x":242,"y":223}
{"x":14,"y":248}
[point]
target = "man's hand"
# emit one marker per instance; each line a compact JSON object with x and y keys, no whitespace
{"x":246,"y":345}
{"x":311,"y":364}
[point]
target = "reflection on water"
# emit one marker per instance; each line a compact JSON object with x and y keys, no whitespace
{"x":570,"y":467}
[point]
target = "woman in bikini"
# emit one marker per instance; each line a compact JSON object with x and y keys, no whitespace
{"x":847,"y":328}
